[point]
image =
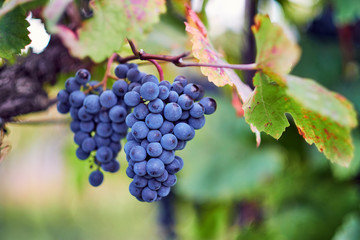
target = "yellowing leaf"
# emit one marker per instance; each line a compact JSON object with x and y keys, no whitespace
{"x":276,"y":53}
{"x":112,"y":22}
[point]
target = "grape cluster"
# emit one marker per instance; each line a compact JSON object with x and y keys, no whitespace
{"x":98,"y":121}
{"x":165,"y":116}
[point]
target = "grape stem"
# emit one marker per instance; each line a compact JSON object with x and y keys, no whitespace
{"x":178,"y":60}
{"x":158,"y":67}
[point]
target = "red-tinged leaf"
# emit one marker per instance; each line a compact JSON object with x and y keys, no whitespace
{"x":276,"y":53}
{"x":112,"y":22}
{"x":203,"y":50}
{"x":322,"y":117}
{"x":237,"y":104}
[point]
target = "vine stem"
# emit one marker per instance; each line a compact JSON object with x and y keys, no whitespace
{"x":158,"y":67}
{"x":178,"y":60}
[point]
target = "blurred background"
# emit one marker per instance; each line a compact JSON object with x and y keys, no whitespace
{"x":228,"y":188}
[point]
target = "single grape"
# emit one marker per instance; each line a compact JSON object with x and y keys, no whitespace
{"x":154,"y":136}
{"x":156,"y":106}
{"x":104,"y":130}
{"x":185,"y":115}
{"x":166,"y":127}
{"x":182,"y":80}
{"x":163,"y":177}
{"x":193,"y":90}
{"x":92,"y":104}
{"x":82,"y":76}
{"x":63,"y":107}
{"x":81,"y":154}
{"x":88,"y":145}
{"x":183,"y":131}
{"x":104,"y":154}
{"x":108,"y":99}
{"x":75,"y":126}
{"x":149,"y":91}
{"x":165,"y":83}
{"x":154,"y":149}
{"x":71,"y":85}
{"x":154,"y":184}
{"x":209,"y":105}
{"x":132,"y":98}
{"x":140,"y":111}
{"x":181,"y":145}
{"x":148,"y":195}
{"x":80,"y":136}
{"x":117,"y":114}
{"x":96,"y":178}
{"x":129,"y":172}
{"x":140,"y":130}
{"x":104,"y":115}
{"x":130,"y":120}
{"x":155,"y":167}
{"x":121,"y":70}
{"x":115,"y":147}
{"x":100,"y":141}
{"x":134,"y":75}
{"x":63,"y":96}
{"x":149,"y":78}
{"x":135,"y":191}
{"x":175,"y":166}
{"x":170,"y":181}
{"x":169,"y":141}
{"x":112,"y":166}
{"x":185,"y":102}
{"x":197,"y":110}
{"x":84,"y":115}
{"x":196,"y":123}
{"x":144,"y":143}
{"x":138,"y":153}
{"x":154,"y":120}
{"x":163,"y":92}
{"x":177,"y":87}
{"x":167,"y":156}
{"x":74,"y":113}
{"x":140,"y":168}
{"x":172,"y":112}
{"x":129,"y":145}
{"x":87,"y":126}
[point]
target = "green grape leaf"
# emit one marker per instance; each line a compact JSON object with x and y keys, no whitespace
{"x":346,"y":11}
{"x":112,"y":22}
{"x":276,"y":53}
{"x":13,"y":33}
{"x":322,"y":117}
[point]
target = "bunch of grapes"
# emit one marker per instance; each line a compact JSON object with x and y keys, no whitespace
{"x":164,"y":117}
{"x":98,"y":121}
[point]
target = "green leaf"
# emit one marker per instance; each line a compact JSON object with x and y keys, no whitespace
{"x":234,"y":172}
{"x":275,"y":51}
{"x":112,"y":22}
{"x":322,"y":117}
{"x":13,"y":33}
{"x":350,"y":230}
{"x":346,"y":11}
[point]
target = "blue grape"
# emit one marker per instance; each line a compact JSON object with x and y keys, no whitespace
{"x":96,"y":178}
{"x":100,"y":141}
{"x":163,"y":92}
{"x":155,"y":167}
{"x":129,"y":172}
{"x":166,"y":127}
{"x":183,"y":131}
{"x":104,"y":130}
{"x":88,"y":145}
{"x":121,"y":70}
{"x":120,"y":88}
{"x":144,"y":143}
{"x":167,"y":156}
{"x":163,"y":191}
{"x":148,"y":195}
{"x":140,"y":111}
{"x":185,"y":115}
{"x":138,"y":154}
{"x":196,"y":123}
{"x":82,"y":76}
{"x":71,"y":85}
{"x":87,"y":126}
{"x":175,"y":166}
{"x":140,"y":168}
{"x":154,"y":120}
{"x":182,"y":80}
{"x":74,"y":113}
{"x":156,"y":105}
{"x":163,"y":177}
{"x":129,"y":145}
{"x":197,"y":110}
{"x":181,"y":145}
{"x":81,"y":154}
{"x":154,"y":184}
{"x":135,"y":191}
{"x":154,"y":136}
{"x":177,"y":87}
{"x":154,"y":149}
{"x":209,"y":105}
{"x":63,"y":96}
{"x":149,"y":78}
{"x":172,"y":112}
{"x":130,"y":120}
{"x":92,"y":104}
{"x":104,"y":154}
{"x":149,"y":91}
{"x":108,"y":99}
{"x":115,"y":137}
{"x":63,"y":107}
{"x":185,"y":102}
{"x":170,"y":181}
{"x":134,"y":87}
{"x":80,"y":136}
{"x":117,"y":114}
{"x":165,"y":83}
{"x":75,"y":126}
{"x":112,"y":166}
{"x":140,"y":130}
{"x":84,"y":115}
{"x":119,"y":127}
{"x":132,"y":98}
{"x":169,"y":141}
{"x":193,"y":90}
{"x":115,"y":147}
{"x":173,"y":96}
{"x":134,"y":75}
